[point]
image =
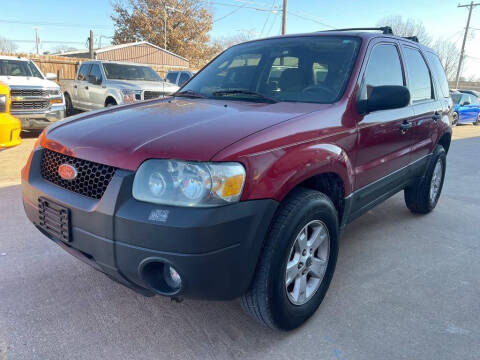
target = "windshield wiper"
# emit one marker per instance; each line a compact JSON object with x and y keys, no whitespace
{"x":244,"y":92}
{"x":190,"y":93}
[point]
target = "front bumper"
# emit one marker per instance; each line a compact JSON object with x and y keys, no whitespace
{"x":215,"y":250}
{"x":10,"y":128}
{"x":37,"y":120}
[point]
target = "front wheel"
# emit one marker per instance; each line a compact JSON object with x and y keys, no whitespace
{"x":297,"y":262}
{"x":68,"y":105}
{"x":455,"y":119}
{"x":422,"y":197}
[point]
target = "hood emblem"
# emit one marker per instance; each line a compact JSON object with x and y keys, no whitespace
{"x":67,"y":172}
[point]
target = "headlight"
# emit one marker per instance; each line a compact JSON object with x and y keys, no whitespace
{"x":183,"y":183}
{"x":3,"y":103}
{"x":130,"y":96}
{"x":54,"y":92}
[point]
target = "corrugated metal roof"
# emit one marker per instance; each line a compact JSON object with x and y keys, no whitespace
{"x":120,"y":46}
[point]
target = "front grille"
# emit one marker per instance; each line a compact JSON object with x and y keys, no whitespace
{"x":30,"y":105}
{"x":92,"y":178}
{"x":147,"y":95}
{"x":29,"y":92}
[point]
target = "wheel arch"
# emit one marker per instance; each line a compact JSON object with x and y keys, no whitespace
{"x":110,"y":100}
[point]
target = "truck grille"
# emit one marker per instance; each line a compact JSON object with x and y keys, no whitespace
{"x":147,"y":95}
{"x":29,"y":92}
{"x":92,"y":178}
{"x":29,"y":105}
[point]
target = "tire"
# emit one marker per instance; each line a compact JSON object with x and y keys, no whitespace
{"x":421,"y":198}
{"x":477,"y":122}
{"x":68,"y":105}
{"x":269,"y":300}
{"x":455,"y":119}
{"x":110,"y":103}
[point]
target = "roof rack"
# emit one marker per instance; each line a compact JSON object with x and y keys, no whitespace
{"x":383,"y":29}
{"x":412,"y":38}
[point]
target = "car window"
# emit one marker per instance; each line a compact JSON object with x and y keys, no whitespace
{"x":296,"y":69}
{"x":384,"y":68}
{"x":83,"y":72}
{"x":183,"y":78}
{"x":456,"y":98}
{"x":438,"y":72}
{"x":131,"y":72}
{"x":419,"y":81}
{"x":172,"y":77}
{"x":18,"y":68}
{"x":466,"y":99}
{"x":95,"y":72}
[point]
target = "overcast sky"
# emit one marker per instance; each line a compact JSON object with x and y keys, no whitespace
{"x":69,"y":21}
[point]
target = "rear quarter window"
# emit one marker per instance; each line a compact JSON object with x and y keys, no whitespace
{"x":438,"y":73}
{"x":419,"y":81}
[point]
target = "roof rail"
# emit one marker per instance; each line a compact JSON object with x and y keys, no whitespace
{"x":383,"y":29}
{"x":412,"y":38}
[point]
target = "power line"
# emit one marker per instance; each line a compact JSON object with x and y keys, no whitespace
{"x":45,"y":23}
{"x":227,"y":15}
{"x":268,"y":17}
{"x":311,"y":19}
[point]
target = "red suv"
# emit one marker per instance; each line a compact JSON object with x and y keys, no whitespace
{"x":240,"y":184}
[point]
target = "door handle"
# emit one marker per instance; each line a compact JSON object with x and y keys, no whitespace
{"x":405,"y":126}
{"x":74,"y":86}
{"x":86,"y":87}
{"x":437,"y":116}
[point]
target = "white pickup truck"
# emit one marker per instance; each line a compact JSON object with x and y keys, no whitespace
{"x":36,"y":100}
{"x":100,"y":83}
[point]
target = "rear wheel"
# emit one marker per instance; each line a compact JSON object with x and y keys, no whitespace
{"x":297,"y":262}
{"x":423,"y":196}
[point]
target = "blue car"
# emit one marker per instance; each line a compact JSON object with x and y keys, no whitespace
{"x":467,"y":108}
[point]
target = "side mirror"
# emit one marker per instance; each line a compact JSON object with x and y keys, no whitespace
{"x":465,"y":103}
{"x":387,"y":97}
{"x":51,"y":76}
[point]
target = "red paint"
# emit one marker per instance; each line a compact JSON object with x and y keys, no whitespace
{"x":280,"y":144}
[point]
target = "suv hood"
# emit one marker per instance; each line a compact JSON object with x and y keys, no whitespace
{"x":20,"y":81}
{"x":183,"y":129}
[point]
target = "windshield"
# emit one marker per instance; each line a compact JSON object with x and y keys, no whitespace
{"x":18,"y":68}
{"x":130,"y":72}
{"x":302,"y":69}
{"x":456,"y":98}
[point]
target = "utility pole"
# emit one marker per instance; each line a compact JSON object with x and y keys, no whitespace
{"x":284,"y":18}
{"x":462,"y":52}
{"x":37,"y":41}
{"x":165,"y":7}
{"x":90,"y":44}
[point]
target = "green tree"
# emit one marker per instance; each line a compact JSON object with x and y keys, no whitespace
{"x":188,"y":26}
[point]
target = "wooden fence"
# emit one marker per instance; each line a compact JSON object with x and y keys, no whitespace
{"x":66,"y":67}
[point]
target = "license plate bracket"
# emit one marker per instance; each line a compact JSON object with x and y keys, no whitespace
{"x":54,"y":219}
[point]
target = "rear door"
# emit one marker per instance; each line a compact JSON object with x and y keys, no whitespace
{"x":383,"y":148}
{"x":427,"y":104}
{"x":467,"y":109}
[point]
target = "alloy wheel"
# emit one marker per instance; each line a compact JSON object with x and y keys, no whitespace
{"x":307,"y":262}
{"x":436,"y":181}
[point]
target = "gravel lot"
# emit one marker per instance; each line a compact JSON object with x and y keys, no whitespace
{"x":406,"y":287}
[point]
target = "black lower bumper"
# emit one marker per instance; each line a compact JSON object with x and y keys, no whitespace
{"x":215,"y":250}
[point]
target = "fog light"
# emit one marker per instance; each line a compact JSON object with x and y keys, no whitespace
{"x":172,"y":277}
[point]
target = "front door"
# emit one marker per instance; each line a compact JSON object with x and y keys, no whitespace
{"x":96,"y":91}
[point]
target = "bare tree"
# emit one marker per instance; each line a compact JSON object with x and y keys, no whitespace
{"x":60,"y":49}
{"x":407,"y":27}
{"x":449,"y":56}
{"x":7,"y":46}
{"x":225,"y":42}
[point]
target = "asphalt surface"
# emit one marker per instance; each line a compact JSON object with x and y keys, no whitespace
{"x":406,"y":287}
